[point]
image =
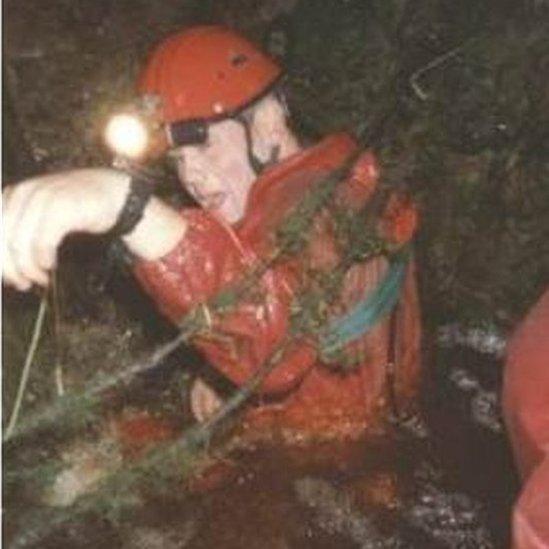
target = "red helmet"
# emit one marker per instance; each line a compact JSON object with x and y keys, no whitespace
{"x":206,"y":73}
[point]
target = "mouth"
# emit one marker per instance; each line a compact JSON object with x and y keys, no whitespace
{"x":209,"y":200}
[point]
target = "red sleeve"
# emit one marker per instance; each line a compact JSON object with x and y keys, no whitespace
{"x":209,"y":259}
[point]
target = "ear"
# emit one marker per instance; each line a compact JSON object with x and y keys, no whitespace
{"x":269,"y":128}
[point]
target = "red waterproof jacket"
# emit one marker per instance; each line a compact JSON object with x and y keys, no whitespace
{"x":526,"y":409}
{"x":302,"y":396}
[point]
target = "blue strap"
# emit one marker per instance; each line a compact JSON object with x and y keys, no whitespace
{"x":369,"y":311}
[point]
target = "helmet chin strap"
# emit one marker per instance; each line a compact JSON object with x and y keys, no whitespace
{"x":257,"y":165}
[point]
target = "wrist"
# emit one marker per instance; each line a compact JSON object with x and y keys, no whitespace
{"x":130,"y":214}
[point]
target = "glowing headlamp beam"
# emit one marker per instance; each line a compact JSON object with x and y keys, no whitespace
{"x":127,"y":135}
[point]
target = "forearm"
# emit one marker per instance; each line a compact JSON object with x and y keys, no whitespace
{"x":40,"y":212}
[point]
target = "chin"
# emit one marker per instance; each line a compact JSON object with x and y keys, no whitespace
{"x":231,"y":216}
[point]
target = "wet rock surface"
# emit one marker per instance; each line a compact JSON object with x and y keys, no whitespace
{"x":453,"y":520}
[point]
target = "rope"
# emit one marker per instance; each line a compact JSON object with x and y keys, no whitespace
{"x":369,"y":311}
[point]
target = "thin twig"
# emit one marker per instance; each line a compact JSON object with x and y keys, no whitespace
{"x":431,"y":65}
{"x":247,"y":389}
{"x":39,"y":322}
{"x":59,"y":355}
{"x":59,"y":383}
{"x":62,"y":406}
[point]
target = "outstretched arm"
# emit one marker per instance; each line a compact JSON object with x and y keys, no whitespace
{"x":40,"y":212}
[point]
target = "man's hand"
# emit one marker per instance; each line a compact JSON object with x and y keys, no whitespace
{"x":40,"y":212}
{"x":205,"y":402}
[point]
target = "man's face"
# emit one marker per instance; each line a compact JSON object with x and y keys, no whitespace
{"x":217,"y":173}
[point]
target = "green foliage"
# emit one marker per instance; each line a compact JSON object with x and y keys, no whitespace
{"x":311,"y":308}
{"x":293,"y":233}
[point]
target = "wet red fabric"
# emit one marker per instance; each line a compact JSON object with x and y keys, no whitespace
{"x":526,"y":410}
{"x":531,"y":512}
{"x":301,"y":396}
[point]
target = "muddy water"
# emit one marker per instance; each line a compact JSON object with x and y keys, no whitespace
{"x":446,"y":480}
{"x":308,"y":497}
{"x":348,"y":497}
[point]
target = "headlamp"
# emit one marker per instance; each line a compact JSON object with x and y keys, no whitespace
{"x":137,"y":134}
{"x":127,"y":136}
